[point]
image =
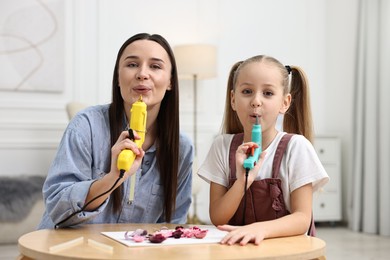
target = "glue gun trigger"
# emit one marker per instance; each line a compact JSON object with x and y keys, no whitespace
{"x":131,"y":135}
{"x":250,"y":151}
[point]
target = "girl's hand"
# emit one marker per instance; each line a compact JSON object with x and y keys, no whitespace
{"x":242,"y":234}
{"x":122,"y":143}
{"x":241,"y":155}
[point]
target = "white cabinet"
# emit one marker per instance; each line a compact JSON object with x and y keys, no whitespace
{"x":327,"y":201}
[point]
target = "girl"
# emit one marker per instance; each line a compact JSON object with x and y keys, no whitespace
{"x":85,"y":167}
{"x":279,"y":200}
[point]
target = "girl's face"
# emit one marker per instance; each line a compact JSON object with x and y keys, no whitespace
{"x":144,"y":69}
{"x":259,"y":91}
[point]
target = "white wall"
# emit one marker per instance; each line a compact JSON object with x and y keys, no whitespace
{"x":316,"y":35}
{"x":341,"y":38}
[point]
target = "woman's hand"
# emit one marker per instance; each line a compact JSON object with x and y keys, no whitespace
{"x":242,"y":234}
{"x":107,"y":181}
{"x":123,"y":143}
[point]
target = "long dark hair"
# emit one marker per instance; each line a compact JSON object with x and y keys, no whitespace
{"x":167,"y":138}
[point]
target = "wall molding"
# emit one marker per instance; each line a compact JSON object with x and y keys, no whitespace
{"x":37,"y":104}
{"x":31,"y":136}
{"x":47,"y":145}
{"x":33,"y":126}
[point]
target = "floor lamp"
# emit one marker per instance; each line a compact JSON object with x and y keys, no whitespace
{"x":196,"y":61}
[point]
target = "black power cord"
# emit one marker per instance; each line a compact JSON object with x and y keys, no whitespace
{"x":121,"y":173}
{"x":246,"y":184}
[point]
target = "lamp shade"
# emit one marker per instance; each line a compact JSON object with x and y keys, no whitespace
{"x":196,"y":59}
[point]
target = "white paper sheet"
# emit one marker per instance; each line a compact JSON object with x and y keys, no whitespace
{"x":213,"y":236}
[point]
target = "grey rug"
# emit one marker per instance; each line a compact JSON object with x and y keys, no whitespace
{"x":18,"y":195}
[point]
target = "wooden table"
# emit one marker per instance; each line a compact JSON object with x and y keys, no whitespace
{"x":36,"y":245}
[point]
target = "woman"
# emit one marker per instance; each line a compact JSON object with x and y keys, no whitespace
{"x":84,"y":184}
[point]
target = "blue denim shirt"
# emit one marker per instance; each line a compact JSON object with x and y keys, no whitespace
{"x":84,"y":155}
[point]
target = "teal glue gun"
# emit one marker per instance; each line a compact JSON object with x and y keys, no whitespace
{"x":254,"y":154}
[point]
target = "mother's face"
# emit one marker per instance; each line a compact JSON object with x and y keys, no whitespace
{"x":144,"y":69}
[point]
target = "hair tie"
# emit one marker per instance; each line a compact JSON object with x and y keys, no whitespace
{"x":288,"y":69}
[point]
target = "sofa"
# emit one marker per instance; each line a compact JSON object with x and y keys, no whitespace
{"x":21,"y":206}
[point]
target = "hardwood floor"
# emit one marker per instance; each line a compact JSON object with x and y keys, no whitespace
{"x":342,"y":243}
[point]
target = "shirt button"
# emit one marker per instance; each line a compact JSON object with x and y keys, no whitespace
{"x":147,"y":163}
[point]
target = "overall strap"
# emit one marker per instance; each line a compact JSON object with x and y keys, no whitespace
{"x":236,"y":141}
{"x":275,"y":172}
{"x":279,"y":154}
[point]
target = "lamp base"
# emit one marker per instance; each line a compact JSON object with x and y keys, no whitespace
{"x":194,"y":220}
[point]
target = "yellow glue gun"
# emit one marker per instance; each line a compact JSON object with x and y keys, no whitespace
{"x":137,"y":123}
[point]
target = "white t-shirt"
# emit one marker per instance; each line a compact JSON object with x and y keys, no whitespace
{"x":300,"y":164}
